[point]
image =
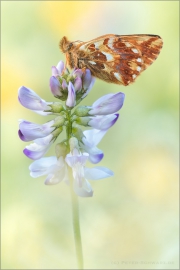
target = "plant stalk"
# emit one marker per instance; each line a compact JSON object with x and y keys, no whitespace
{"x":75,"y":206}
{"x":76,"y":228}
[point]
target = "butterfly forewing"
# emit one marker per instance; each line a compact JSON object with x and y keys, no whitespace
{"x":116,"y":58}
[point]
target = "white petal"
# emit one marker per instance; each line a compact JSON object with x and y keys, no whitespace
{"x":29,"y":99}
{"x":35,"y":151}
{"x":103,"y":122}
{"x":42,"y":166}
{"x":95,"y":154}
{"x":55,"y":71}
{"x":60,"y":67}
{"x":66,"y":176}
{"x":96,"y":157}
{"x":43,"y":113}
{"x":71,"y":99}
{"x":51,"y":180}
{"x":108,"y":104}
{"x":97,"y":173}
{"x":47,"y":165}
{"x":93,"y":137}
{"x":78,"y":174}
{"x":73,"y":160}
{"x":85,"y":190}
{"x":44,"y":141}
{"x":102,"y":99}
{"x":31,"y":131}
{"x":89,"y":88}
{"x":54,"y":179}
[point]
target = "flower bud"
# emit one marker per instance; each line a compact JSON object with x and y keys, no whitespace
{"x":71,"y":100}
{"x":78,"y":84}
{"x":61,"y":149}
{"x":77,"y":73}
{"x":89,"y":88}
{"x":64,"y":84}
{"x":55,"y":87}
{"x":57,"y":71}
{"x":54,"y":71}
{"x":86,"y":79}
{"x":82,"y":111}
{"x":73,"y":143}
{"x":59,"y":121}
{"x":60,"y":67}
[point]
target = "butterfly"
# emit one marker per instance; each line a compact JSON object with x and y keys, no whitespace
{"x":118,"y":59}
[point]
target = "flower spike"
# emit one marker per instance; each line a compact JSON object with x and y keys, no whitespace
{"x":79,"y":147}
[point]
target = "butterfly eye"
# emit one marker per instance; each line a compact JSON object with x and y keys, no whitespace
{"x":70,"y":46}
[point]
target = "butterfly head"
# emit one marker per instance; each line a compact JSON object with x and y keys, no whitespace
{"x":65,"y":45}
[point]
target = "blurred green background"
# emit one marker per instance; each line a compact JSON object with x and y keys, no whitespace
{"x":132,"y":220}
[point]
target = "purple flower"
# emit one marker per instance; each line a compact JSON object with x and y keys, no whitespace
{"x":71,"y":100}
{"x":97,"y":173}
{"x":77,"y":160}
{"x":98,"y":122}
{"x":90,"y":141}
{"x":93,"y":79}
{"x":78,"y":147}
{"x":64,"y":84}
{"x":57,"y":71}
{"x":103,"y":122}
{"x":55,"y":86}
{"x":55,"y":169}
{"x":87,"y":78}
{"x":78,"y":84}
{"x":39,"y":148}
{"x":82,"y":81}
{"x":29,"y":99}
{"x":77,"y":73}
{"x":30,"y":131}
{"x":107,"y":104}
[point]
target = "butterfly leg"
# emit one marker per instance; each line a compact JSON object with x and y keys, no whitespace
{"x":81,"y":64}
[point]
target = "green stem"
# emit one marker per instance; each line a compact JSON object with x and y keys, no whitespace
{"x":76,"y":227}
{"x":75,"y":206}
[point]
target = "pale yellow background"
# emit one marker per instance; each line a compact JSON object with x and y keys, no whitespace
{"x":132,"y":220}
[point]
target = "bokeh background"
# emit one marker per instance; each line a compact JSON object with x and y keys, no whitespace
{"x":132,"y":220}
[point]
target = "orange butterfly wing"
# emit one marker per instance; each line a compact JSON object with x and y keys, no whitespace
{"x":118,"y":58}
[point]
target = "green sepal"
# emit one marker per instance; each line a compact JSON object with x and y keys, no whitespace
{"x":59,"y":121}
{"x":61,"y":149}
{"x":56,"y":107}
{"x":56,"y":132}
{"x":82,"y":111}
{"x":78,"y":133}
{"x":83,"y":121}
